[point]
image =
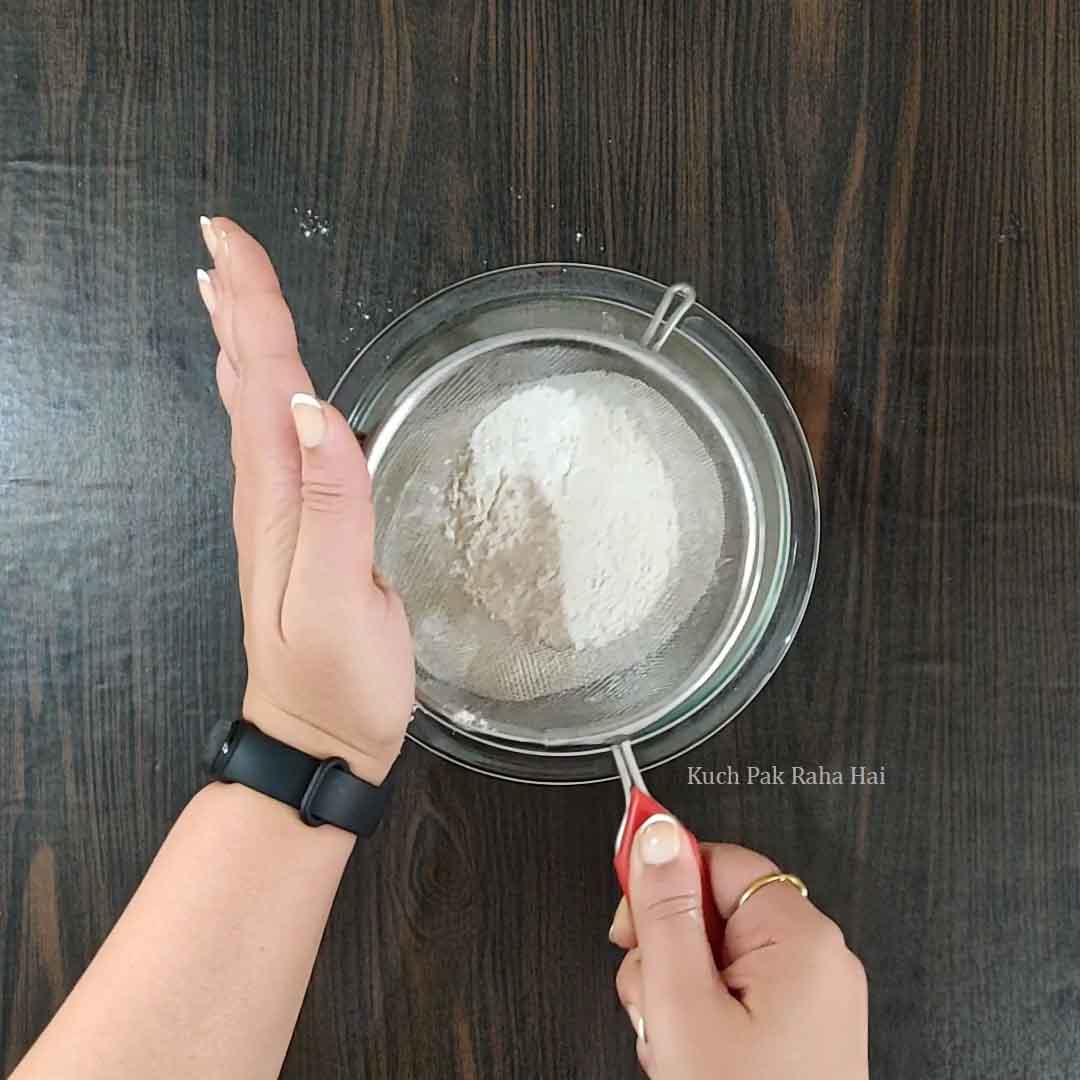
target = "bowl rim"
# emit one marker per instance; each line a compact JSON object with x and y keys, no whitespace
{"x":595,"y":764}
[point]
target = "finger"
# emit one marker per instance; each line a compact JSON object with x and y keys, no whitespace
{"x":251,"y":319}
{"x":258,"y":339}
{"x":665,"y":899}
{"x":775,"y":913}
{"x":252,"y":313}
{"x":214,"y":287}
{"x":228,"y":382}
{"x":211,"y":289}
{"x":228,"y":385}
{"x":628,"y":986}
{"x":628,"y":980}
{"x":622,"y":932}
{"x":645,"y":1058}
{"x":336,"y":519}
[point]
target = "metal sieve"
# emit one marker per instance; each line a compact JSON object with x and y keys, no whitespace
{"x":747,"y":540}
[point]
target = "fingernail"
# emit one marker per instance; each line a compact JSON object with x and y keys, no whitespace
{"x":657,"y":840}
{"x":618,"y":912}
{"x":208,"y":235}
{"x":206,"y":290}
{"x":637,"y":1021}
{"x":309,"y":419}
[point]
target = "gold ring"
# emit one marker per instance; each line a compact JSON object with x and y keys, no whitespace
{"x":768,"y":879}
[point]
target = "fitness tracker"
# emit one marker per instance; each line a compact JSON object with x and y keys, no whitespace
{"x":324,"y":792}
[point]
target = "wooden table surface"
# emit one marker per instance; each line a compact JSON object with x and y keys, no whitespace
{"x":883,"y":197}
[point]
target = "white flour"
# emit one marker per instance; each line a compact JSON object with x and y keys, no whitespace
{"x":563,"y":514}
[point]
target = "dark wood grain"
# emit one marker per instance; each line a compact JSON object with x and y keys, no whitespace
{"x":882,"y":196}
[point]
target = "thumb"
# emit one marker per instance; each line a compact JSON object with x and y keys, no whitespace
{"x":677,"y":969}
{"x":336,"y":533}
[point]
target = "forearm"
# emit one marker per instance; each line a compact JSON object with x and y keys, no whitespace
{"x":205,"y":972}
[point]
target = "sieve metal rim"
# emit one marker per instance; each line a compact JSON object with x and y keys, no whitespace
{"x":661,"y":716}
{"x":359,"y":392}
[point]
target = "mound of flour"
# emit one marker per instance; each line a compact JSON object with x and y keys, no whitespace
{"x":563,"y":515}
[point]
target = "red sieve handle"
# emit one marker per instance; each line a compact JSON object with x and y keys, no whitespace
{"x":639,"y":809}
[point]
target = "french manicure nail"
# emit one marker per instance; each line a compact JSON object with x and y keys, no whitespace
{"x":209,"y":236}
{"x":618,"y":912}
{"x":657,"y":840}
{"x":637,"y":1021}
{"x":206,"y":290}
{"x":309,"y":419}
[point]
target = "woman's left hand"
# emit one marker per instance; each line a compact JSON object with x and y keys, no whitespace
{"x":330,"y":667}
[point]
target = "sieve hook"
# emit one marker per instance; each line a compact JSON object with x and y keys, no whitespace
{"x":658,"y":331}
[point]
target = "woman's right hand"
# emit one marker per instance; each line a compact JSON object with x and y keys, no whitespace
{"x":790,"y":1000}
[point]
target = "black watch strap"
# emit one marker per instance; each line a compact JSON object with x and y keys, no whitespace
{"x":323,"y":792}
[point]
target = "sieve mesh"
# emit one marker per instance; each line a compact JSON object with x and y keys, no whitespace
{"x":472,"y":669}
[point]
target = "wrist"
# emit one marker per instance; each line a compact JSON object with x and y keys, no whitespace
{"x":301,"y":735}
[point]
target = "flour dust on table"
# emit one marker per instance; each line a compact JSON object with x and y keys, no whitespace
{"x":577,"y":522}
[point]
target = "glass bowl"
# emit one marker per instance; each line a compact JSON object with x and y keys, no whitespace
{"x":601,"y":300}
